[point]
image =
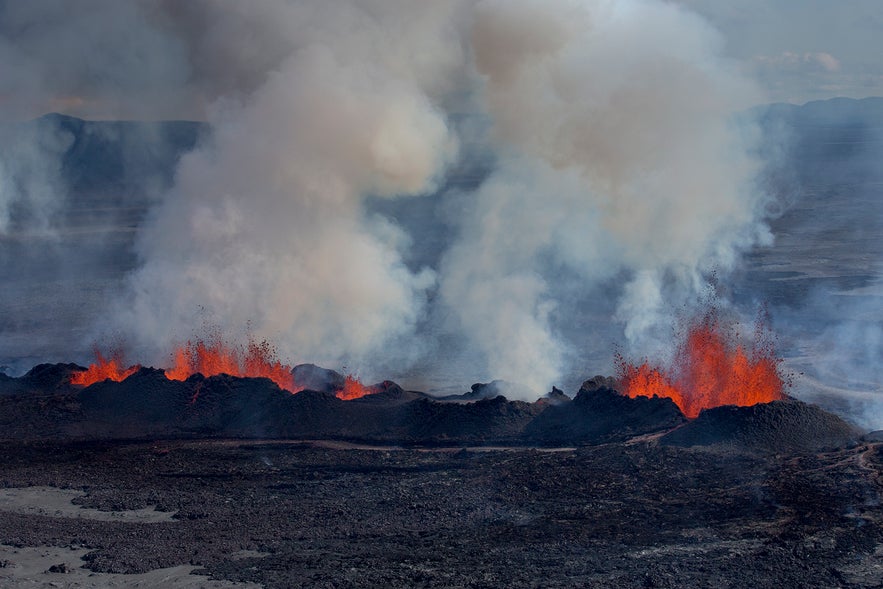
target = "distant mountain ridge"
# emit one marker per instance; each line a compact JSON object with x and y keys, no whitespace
{"x":114,"y":156}
{"x":106,"y":156}
{"x":834,"y":111}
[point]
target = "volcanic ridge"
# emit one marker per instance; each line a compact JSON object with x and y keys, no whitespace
{"x":44,"y":404}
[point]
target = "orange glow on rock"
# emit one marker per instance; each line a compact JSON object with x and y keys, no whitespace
{"x":104,"y":369}
{"x":709,"y":370}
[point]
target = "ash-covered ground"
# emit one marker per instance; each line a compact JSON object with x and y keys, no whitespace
{"x":299,"y":514}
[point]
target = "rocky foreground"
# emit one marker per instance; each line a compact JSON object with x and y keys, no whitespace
{"x":295,"y":514}
{"x":234,"y":483}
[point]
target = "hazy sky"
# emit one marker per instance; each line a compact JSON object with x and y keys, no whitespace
{"x":803,"y":50}
{"x":152,"y":58}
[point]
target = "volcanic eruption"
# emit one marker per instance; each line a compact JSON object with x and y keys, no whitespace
{"x":710,"y":368}
{"x":439,"y":193}
{"x":104,"y":368}
{"x":212,"y":357}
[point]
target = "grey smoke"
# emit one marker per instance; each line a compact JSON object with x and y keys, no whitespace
{"x":31,"y":187}
{"x":619,"y":153}
{"x":616,"y":161}
{"x":266,"y":225}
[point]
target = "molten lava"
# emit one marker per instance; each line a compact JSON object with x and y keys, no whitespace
{"x":216,"y":357}
{"x":353,"y":389}
{"x":709,"y":370}
{"x":103,"y":369}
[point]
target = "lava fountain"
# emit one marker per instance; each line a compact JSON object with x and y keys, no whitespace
{"x":709,"y":369}
{"x":214,"y":357}
{"x":353,"y":389}
{"x":104,"y":368}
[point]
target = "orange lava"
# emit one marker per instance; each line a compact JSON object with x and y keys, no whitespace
{"x":216,"y":357}
{"x":709,"y":370}
{"x":353,"y":389}
{"x":103,"y":369}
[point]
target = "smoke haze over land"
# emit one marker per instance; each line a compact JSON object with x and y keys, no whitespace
{"x":485,"y":188}
{"x":616,"y":152}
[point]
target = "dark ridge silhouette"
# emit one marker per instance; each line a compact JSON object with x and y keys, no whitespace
{"x":114,"y":158}
{"x":388,"y":392}
{"x":780,"y":426}
{"x":599,"y":414}
{"x":43,"y":405}
{"x":41,"y":379}
{"x":488,"y":420}
{"x":317,"y":378}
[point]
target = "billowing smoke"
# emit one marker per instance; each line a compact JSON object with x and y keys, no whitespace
{"x":618,"y":154}
{"x":31,"y":188}
{"x":266,"y":224}
{"x":619,"y":177}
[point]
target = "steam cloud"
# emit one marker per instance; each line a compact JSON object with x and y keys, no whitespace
{"x":613,"y":121}
{"x":616,"y":156}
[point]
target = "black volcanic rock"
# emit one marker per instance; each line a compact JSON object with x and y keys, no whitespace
{"x":555,"y":397}
{"x":50,"y":377}
{"x":601,"y":415}
{"x":617,"y":515}
{"x":314,"y":414}
{"x":145,"y":402}
{"x":317,"y":378}
{"x":9,"y":385}
{"x":389,"y":392}
{"x":149,"y":404}
{"x":488,"y":420}
{"x":42,"y":379}
{"x":31,"y":412}
{"x":599,"y":382}
{"x":778,"y":426}
{"x":226,"y":404}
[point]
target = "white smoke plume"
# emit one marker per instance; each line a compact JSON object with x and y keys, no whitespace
{"x":31,"y":190}
{"x":610,"y":122}
{"x":614,"y":125}
{"x":265,"y":225}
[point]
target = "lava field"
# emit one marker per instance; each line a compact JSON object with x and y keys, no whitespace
{"x":291,"y":514}
{"x":259,"y":487}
